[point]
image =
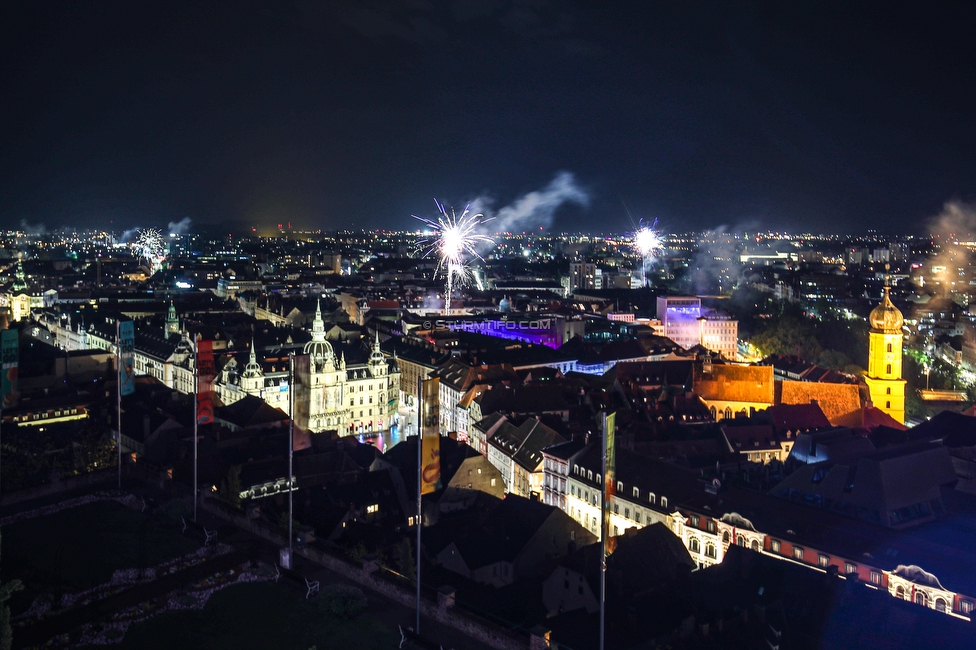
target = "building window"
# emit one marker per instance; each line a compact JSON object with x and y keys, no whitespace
{"x":740,"y":541}
{"x":850,"y":568}
{"x":650,"y":498}
{"x":797,"y":553}
{"x":755,"y":545}
{"x":887,"y":405}
{"x":626,"y":513}
{"x":921,"y":598}
{"x":493,"y":482}
{"x":876,"y":577}
{"x":710,"y":550}
{"x":889,"y":347}
{"x":710,"y":525}
{"x":966,"y":606}
{"x":888,"y":391}
{"x":589,"y":475}
{"x":636,"y":493}
{"x":900,"y":592}
{"x":695,"y":546}
{"x":695,"y":521}
{"x":940,"y":605}
{"x":620,"y":487}
{"x":616,"y":509}
{"x":888,"y":369}
{"x":823,"y":561}
{"x":664,"y":502}
{"x":774,"y":545}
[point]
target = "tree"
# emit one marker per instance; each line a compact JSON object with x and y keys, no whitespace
{"x":230,"y":487}
{"x":7,"y":590}
{"x":405,"y":559}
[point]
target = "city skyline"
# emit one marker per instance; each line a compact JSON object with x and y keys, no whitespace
{"x":838,"y":118}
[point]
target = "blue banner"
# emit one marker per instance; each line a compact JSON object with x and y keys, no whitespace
{"x":127,"y":357}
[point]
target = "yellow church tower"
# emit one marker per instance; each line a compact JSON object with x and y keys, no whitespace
{"x":884,"y":359}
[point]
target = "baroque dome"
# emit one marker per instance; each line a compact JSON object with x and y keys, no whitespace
{"x":886,"y":317}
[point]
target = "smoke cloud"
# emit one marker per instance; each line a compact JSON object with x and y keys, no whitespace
{"x":129,"y":235}
{"x":180,"y":227}
{"x":33,"y":228}
{"x":536,"y":208}
{"x":956,"y":222}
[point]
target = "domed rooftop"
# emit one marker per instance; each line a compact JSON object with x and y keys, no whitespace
{"x":886,"y":317}
{"x":318,"y":348}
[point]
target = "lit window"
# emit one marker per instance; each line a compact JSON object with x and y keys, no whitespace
{"x":372,"y":509}
{"x":774,"y":545}
{"x":850,"y":568}
{"x":876,"y":577}
{"x":823,"y":560}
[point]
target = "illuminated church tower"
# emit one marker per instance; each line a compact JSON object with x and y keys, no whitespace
{"x":884,"y":359}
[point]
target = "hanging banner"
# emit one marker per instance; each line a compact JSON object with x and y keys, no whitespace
{"x":430,"y":437}
{"x":609,"y":476}
{"x":205,"y":377}
{"x":127,"y":357}
{"x":302,"y":385}
{"x":10,"y":387}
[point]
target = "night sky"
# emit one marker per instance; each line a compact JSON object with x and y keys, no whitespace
{"x":815,"y":116}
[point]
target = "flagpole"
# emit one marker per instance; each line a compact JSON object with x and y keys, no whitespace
{"x":118,"y":395}
{"x":420,"y":472}
{"x":291,"y":450}
{"x":196,"y":421}
{"x":603,"y":537}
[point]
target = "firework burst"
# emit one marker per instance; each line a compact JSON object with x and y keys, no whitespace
{"x":151,"y":246}
{"x":455,"y":239}
{"x":647,"y":241}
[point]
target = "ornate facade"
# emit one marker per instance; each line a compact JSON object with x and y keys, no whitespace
{"x":351,"y":399}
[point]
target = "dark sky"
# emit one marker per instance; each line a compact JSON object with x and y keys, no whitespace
{"x":822,"y":116}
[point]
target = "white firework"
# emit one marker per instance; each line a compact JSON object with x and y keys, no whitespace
{"x":151,"y":246}
{"x":454,"y":239}
{"x":647,"y":241}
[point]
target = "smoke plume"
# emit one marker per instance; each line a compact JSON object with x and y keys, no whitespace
{"x":180,"y":227}
{"x":536,"y":208}
{"x":956,"y":223}
{"x":33,"y":228}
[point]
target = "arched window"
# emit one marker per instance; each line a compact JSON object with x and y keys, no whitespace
{"x":695,"y":546}
{"x":940,"y":605}
{"x":900,"y":592}
{"x":710,"y":550}
{"x":740,"y":541}
{"x":664,"y":502}
{"x":726,"y":537}
{"x":636,"y":493}
{"x":620,"y":487}
{"x":713,"y":412}
{"x":889,"y":347}
{"x":650,"y":497}
{"x":888,"y":369}
{"x":888,"y":390}
{"x":887,"y":405}
{"x":755,"y":545}
{"x":728,"y":412}
{"x":921,"y":598}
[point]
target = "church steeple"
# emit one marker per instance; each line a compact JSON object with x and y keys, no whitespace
{"x":884,"y":375}
{"x":172,"y":320}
